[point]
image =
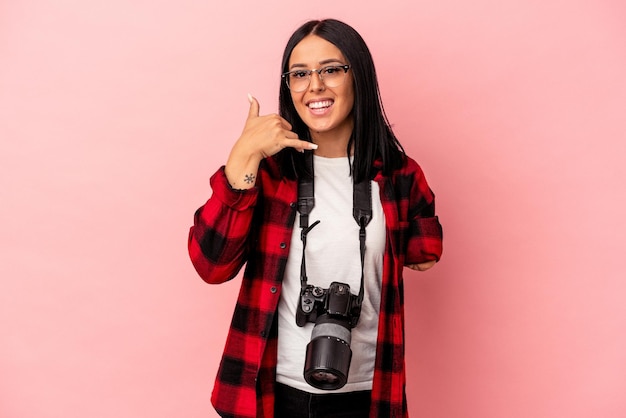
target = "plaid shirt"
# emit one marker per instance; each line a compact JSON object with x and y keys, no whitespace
{"x":253,"y":227}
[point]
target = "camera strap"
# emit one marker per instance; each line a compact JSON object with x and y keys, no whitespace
{"x":361,"y":211}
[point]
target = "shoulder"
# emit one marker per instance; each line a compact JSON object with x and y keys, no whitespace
{"x":408,"y":170}
{"x":272,"y":182}
{"x":410,"y":167}
{"x":271,"y":167}
{"x":406,"y":182}
{"x":269,"y":172}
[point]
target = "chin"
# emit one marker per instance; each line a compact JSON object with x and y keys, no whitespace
{"x":316,"y":126}
{"x":319,"y":129}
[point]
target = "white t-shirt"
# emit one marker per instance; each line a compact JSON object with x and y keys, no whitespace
{"x":332,"y":254}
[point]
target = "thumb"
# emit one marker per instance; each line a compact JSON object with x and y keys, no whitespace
{"x":254,"y":107}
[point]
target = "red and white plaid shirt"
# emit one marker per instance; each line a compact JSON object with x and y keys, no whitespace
{"x":253,"y":227}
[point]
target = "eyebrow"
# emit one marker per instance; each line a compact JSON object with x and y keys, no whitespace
{"x":324,"y":62}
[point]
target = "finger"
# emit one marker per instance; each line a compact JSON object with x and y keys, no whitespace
{"x":286,"y":124}
{"x":254,"y":107}
{"x":299,"y":144}
{"x":290,"y":134}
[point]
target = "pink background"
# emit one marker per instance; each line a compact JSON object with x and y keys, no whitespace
{"x":113,"y":115}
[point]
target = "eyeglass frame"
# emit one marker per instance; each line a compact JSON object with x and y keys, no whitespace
{"x":344,"y":67}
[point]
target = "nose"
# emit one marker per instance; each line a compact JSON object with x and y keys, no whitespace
{"x":316,"y":83}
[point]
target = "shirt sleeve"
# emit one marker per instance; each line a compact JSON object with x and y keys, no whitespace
{"x":218,"y":239}
{"x":425,"y":238}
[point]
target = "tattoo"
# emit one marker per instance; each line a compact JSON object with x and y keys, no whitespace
{"x":249,"y":178}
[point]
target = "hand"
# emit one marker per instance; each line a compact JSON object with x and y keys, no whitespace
{"x":262,"y":136}
{"x":266,"y":135}
{"x":422,"y":266}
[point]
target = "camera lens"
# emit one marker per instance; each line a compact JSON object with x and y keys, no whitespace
{"x":324,"y":377}
{"x":328,"y":354}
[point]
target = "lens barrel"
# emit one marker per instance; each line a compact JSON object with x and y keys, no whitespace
{"x":328,"y":354}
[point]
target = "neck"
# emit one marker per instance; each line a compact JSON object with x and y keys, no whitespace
{"x":331,"y":149}
{"x":332,"y":144}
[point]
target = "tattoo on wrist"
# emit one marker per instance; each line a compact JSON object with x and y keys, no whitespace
{"x":249,"y":178}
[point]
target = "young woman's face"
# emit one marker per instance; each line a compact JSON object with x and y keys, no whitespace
{"x":325,"y":110}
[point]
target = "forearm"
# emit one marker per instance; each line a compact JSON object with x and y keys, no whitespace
{"x":425,"y":238}
{"x":242,"y":169}
{"x":218,"y":240}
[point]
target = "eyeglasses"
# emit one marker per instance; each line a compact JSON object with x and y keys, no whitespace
{"x":332,"y":76}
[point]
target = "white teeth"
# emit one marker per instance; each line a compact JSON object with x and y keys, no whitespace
{"x":319,"y":105}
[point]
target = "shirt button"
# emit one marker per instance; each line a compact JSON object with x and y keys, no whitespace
{"x":262,"y":333}
{"x":292,"y":204}
{"x":283,"y":245}
{"x":273,"y":289}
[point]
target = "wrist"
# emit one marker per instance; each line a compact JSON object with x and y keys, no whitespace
{"x":242,"y":174}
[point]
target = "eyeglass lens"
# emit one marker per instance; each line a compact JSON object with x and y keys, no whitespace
{"x":299,"y":80}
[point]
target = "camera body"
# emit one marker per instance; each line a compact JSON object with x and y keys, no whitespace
{"x":336,"y":301}
{"x":335,"y":311}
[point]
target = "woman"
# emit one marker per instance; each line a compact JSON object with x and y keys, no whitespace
{"x":333,"y":133}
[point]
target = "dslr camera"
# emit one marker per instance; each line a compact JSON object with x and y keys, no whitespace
{"x":335,"y":311}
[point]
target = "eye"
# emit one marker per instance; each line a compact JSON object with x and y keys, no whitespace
{"x":299,"y":74}
{"x":331,"y":70}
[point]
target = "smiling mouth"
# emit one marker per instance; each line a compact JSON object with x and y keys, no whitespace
{"x":324,"y":104}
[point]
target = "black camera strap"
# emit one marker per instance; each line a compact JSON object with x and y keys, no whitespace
{"x":361,"y":211}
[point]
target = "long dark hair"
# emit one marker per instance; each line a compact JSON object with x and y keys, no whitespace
{"x":372,"y":137}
